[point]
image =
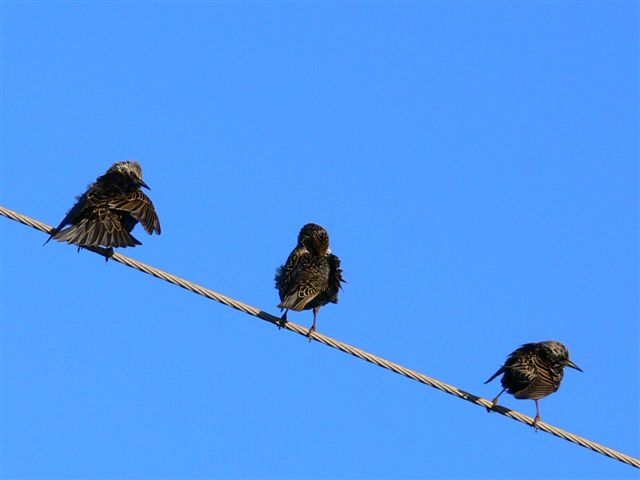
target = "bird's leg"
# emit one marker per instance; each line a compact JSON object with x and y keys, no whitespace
{"x":495,"y":400}
{"x":108,"y":254}
{"x":283,"y":319}
{"x":537,"y":419}
{"x":313,"y":327}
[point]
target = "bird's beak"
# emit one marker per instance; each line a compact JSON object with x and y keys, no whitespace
{"x":328,"y":251}
{"x":142,"y":184}
{"x":573,"y":365}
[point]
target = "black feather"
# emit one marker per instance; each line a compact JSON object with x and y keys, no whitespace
{"x":107,"y":212}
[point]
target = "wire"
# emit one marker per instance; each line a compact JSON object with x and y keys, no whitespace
{"x":338,"y":345}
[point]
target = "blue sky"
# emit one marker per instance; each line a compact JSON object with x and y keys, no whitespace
{"x":475,"y":163}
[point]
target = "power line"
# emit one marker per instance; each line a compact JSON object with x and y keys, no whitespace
{"x":338,"y":345}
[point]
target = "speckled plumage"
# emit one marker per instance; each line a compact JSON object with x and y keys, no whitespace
{"x":534,"y":371}
{"x":107,"y":212}
{"x":311,"y":276}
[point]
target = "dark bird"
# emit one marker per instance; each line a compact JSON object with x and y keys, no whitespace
{"x":107,"y":212}
{"x":534,"y":371}
{"x":311,"y":276}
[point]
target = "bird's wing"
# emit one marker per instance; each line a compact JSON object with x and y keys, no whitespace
{"x":335,"y":277}
{"x":141,"y":208}
{"x":285,"y":274}
{"x":538,"y":384}
{"x":520,"y":371}
{"x":102,"y":228}
{"x":298,"y":283}
{"x":71,"y":216}
{"x":517,"y":368}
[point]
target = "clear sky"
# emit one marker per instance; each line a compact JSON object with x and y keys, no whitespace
{"x":475,"y":163}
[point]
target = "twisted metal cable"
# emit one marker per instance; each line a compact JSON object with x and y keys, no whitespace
{"x":338,"y":345}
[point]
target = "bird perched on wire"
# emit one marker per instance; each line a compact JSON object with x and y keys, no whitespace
{"x":534,"y":371}
{"x":311,"y":277}
{"x":105,"y":214}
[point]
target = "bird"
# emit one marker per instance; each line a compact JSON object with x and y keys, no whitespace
{"x":105,"y":214}
{"x":311,"y":276}
{"x":534,"y":371}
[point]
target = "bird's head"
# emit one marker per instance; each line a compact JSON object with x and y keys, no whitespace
{"x":557,"y":353}
{"x":315,"y":239}
{"x":131,"y":170}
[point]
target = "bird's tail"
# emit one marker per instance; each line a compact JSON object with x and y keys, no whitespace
{"x":294,"y":302}
{"x":94,"y":234}
{"x":501,"y":370}
{"x":52,"y":233}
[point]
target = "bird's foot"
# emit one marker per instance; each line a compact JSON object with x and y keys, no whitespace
{"x":108,"y":254}
{"x":311,"y":332}
{"x":536,"y":422}
{"x":283,"y":321}
{"x":494,"y":402}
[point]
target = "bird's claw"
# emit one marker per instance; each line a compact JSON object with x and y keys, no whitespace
{"x":494,"y":402}
{"x":282,"y":322}
{"x":536,"y":423}
{"x":311,"y":332}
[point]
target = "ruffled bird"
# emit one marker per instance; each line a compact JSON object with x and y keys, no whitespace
{"x":106,"y":213}
{"x":311,"y":276}
{"x":534,"y":371}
